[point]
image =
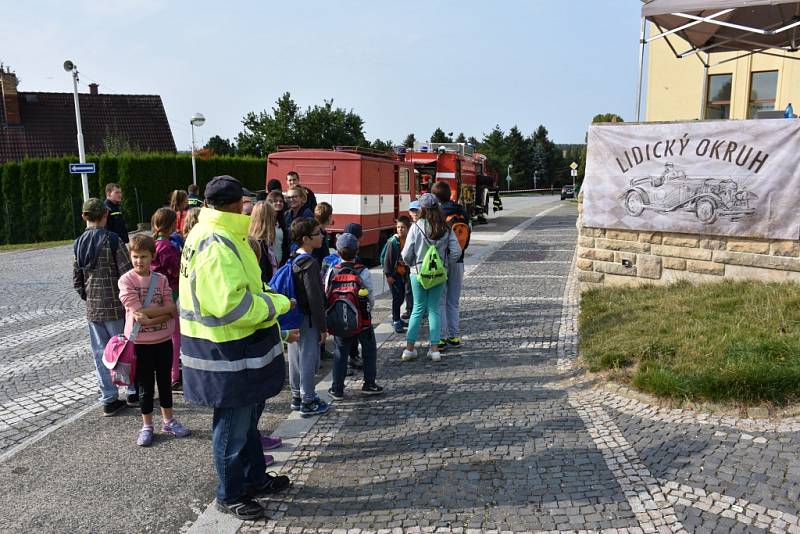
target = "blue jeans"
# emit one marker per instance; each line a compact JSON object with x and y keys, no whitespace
{"x":448,"y":304}
{"x":304,"y":362}
{"x":236,"y":446}
{"x":369,"y":354}
{"x":99,"y":334}
{"x":424,"y":300}
{"x":398,"y":296}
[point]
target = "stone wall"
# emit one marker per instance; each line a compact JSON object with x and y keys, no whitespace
{"x":631,"y":257}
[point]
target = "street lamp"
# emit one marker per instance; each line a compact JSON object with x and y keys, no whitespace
{"x":534,"y":178}
{"x":71,"y":67}
{"x":196,"y":120}
{"x":508,"y":178}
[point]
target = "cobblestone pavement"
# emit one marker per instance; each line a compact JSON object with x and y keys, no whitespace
{"x":505,"y":434}
{"x":46,"y":370}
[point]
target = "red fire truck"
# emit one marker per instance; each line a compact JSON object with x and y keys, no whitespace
{"x":461,"y":167}
{"x":364,"y":186}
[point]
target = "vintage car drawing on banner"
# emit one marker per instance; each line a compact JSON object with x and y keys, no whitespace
{"x":708,"y":198}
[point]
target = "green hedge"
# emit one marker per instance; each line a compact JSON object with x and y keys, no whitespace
{"x":41,"y":201}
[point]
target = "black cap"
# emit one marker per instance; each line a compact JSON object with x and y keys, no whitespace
{"x":274,"y":185}
{"x":224,"y":190}
{"x":355,"y":229}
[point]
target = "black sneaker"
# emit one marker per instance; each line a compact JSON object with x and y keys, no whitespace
{"x":273,"y":484}
{"x":336,"y":395}
{"x":454,"y":341}
{"x":132,"y":399}
{"x":371,"y":389}
{"x":296,"y":404}
{"x":245,"y":509}
{"x":315,"y":407}
{"x":442,"y":346}
{"x":177,"y":387}
{"x":113,"y":407}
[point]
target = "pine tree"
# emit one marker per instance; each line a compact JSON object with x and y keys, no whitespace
{"x":410,"y":140}
{"x":520,"y":157}
{"x":439,"y":136}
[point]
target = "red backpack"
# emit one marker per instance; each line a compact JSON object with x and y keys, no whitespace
{"x":348,"y":312}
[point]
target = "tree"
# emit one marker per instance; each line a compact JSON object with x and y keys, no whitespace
{"x":545,"y":157}
{"x":410,"y":140}
{"x":263,"y":132}
{"x":461,"y":138}
{"x":383,"y":146}
{"x":607,"y":117}
{"x":494,"y":148}
{"x":322,"y":126}
{"x":472,"y":141}
{"x":325,"y":127}
{"x":439,"y":136}
{"x":520,"y":157}
{"x":220,"y":146}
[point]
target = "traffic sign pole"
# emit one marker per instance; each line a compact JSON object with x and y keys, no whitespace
{"x":574,"y":172}
{"x":81,"y":150}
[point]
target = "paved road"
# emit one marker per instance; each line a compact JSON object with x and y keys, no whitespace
{"x":502,"y":435}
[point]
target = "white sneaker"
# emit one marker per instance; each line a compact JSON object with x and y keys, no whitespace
{"x":408,"y":355}
{"x":435,"y":355}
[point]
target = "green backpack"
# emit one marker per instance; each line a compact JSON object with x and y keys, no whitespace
{"x":432,"y":272}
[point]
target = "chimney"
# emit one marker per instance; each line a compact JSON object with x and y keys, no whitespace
{"x":93,"y":88}
{"x":8,"y":86}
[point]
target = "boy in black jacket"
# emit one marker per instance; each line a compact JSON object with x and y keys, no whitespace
{"x":304,"y":354}
{"x":116,"y":222}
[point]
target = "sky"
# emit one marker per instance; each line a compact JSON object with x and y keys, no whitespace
{"x":412,"y":66}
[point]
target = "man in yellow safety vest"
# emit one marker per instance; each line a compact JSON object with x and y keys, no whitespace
{"x":231,"y":347}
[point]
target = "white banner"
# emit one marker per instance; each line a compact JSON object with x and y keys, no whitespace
{"x":732,"y":178}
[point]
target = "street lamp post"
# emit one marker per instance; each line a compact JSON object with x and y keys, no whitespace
{"x":69,"y":66}
{"x":508,"y":178}
{"x":534,"y":178}
{"x":196,"y":120}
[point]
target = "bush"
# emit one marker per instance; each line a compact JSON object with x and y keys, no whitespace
{"x":41,"y":201}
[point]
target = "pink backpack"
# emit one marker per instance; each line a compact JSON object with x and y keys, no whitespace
{"x":119,"y":356}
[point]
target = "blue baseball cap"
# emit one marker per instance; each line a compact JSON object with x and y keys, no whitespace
{"x":346,"y":240}
{"x":414,"y":205}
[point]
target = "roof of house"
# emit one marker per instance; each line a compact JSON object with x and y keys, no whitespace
{"x":48,"y":125}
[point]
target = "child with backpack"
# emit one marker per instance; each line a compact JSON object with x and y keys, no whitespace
{"x":152,"y":328}
{"x":427,"y":246}
{"x":457,"y":220}
{"x":100,"y":258}
{"x":348,"y":288}
{"x":300,"y":279}
{"x":167,"y":261}
{"x":395,"y":271}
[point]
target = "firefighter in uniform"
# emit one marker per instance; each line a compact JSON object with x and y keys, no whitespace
{"x":231,"y":347}
{"x":497,"y":201}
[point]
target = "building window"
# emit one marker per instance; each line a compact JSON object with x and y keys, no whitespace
{"x":718,"y":99}
{"x":763,"y":87}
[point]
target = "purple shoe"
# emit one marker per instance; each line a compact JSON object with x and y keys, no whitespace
{"x":268,"y":443}
{"x":175,"y":428}
{"x":269,"y":460}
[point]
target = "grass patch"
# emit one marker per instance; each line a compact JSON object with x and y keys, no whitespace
{"x":33,"y":246}
{"x":733,"y":341}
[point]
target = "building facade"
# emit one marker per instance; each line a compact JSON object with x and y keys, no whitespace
{"x":682,"y":89}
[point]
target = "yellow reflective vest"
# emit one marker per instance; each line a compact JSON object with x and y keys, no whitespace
{"x":231,"y":347}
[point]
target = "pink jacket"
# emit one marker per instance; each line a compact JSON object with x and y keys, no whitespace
{"x":132,"y":292}
{"x":167,"y":261}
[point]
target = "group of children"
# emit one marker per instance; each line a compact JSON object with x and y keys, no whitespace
{"x":320,"y":282}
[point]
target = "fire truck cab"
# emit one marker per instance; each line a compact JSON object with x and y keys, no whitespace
{"x":363,"y":186}
{"x":461,"y":167}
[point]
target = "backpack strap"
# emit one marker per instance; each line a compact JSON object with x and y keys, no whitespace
{"x":147,"y":299}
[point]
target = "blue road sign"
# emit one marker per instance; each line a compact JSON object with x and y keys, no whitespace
{"x":80,"y":168}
